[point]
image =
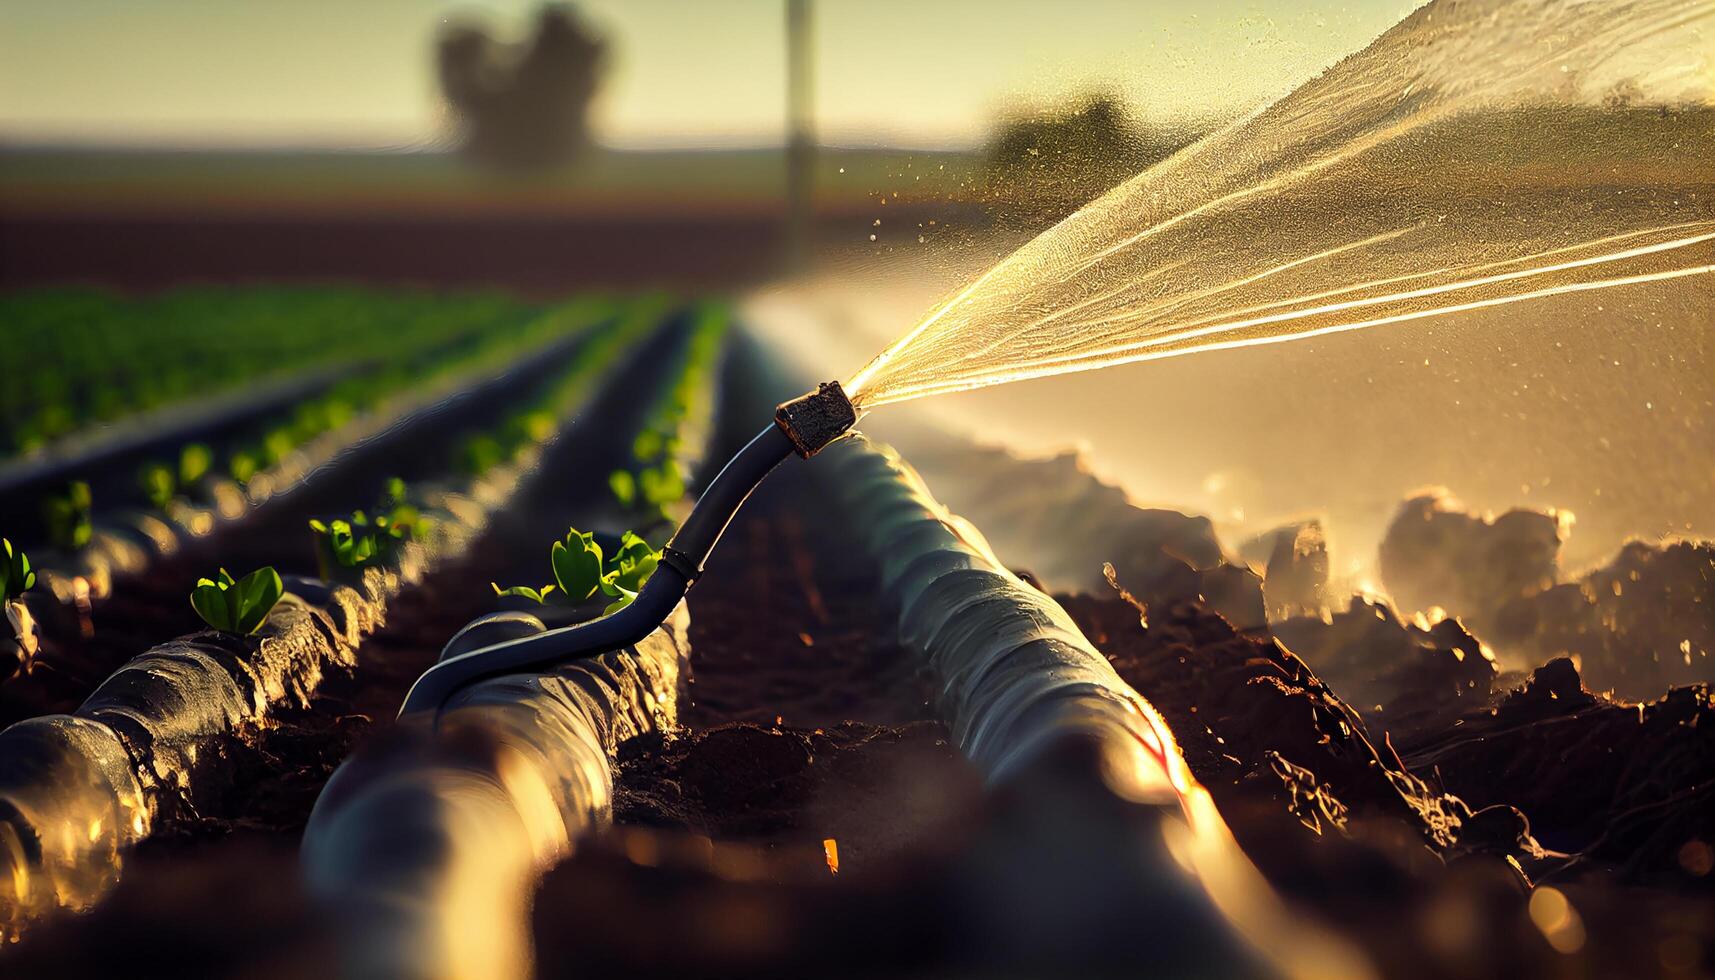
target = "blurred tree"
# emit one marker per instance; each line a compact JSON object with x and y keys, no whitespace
{"x":1051,"y":164}
{"x":523,"y":105}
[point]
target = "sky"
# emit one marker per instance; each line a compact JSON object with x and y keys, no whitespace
{"x":687,"y":73}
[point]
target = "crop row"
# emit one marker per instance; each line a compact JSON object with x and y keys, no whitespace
{"x":669,"y":446}
{"x":143,"y":745}
{"x":75,"y":358}
{"x":190,"y":496}
{"x":426,"y":813}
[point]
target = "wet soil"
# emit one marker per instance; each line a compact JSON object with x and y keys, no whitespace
{"x":811,"y":818}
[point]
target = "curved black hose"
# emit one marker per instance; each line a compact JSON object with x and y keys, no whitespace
{"x":681,"y":563}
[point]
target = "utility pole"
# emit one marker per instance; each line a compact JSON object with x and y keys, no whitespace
{"x":800,"y":134}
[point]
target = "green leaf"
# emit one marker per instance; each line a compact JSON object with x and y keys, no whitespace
{"x":158,"y":485}
{"x":209,"y":601}
{"x":239,"y":607}
{"x":634,"y":562}
{"x":632,"y":546}
{"x":393,"y":493}
{"x":68,"y":519}
{"x":661,"y":485}
{"x":537,"y":595}
{"x":243,"y":466}
{"x":278,"y":444}
{"x":624,"y":487}
{"x":577,"y":565}
{"x":648,"y":446}
{"x":625,"y":597}
{"x":195,"y":460}
{"x":16,"y":575}
{"x":258,"y":593}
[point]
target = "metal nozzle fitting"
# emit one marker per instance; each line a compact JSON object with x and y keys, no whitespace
{"x":815,"y":419}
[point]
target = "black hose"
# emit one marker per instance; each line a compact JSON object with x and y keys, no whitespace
{"x":681,"y":563}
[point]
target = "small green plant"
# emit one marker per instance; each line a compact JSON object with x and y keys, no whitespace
{"x":195,"y":460}
{"x":577,"y":564}
{"x":16,"y":575}
{"x":481,"y":454}
{"x":278,"y":444}
{"x":243,"y":466}
{"x":624,"y":487}
{"x":632,"y":565}
{"x":661,"y":485}
{"x":357,"y":543}
{"x":397,"y":510}
{"x":69,"y":526}
{"x":652,"y":488}
{"x":393,"y":492}
{"x":649,"y":445}
{"x":537,"y":596}
{"x":158,"y":485}
{"x":533,"y":427}
{"x":238,"y":607}
{"x":581,"y":570}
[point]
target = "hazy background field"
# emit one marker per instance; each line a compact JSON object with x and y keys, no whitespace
{"x":143,"y":146}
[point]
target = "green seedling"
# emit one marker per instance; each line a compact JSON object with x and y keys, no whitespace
{"x":577,"y":563}
{"x":632,"y":565}
{"x":648,"y":446}
{"x":237,"y":607}
{"x":243,"y":466}
{"x":581,"y":571}
{"x":357,"y":543}
{"x":277,"y":445}
{"x":16,"y":575}
{"x":397,"y":511}
{"x":394,"y":493}
{"x":69,"y":526}
{"x":534,"y":427}
{"x":537,"y":596}
{"x":624,"y":487}
{"x":481,"y":454}
{"x":195,"y":460}
{"x":158,"y":485}
{"x":661,"y":485}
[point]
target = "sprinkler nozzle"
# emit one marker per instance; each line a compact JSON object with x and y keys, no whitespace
{"x":815,"y":419}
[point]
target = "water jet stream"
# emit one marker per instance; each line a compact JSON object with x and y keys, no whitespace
{"x":1483,"y":154}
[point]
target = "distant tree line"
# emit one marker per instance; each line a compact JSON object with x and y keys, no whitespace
{"x":1059,"y":160}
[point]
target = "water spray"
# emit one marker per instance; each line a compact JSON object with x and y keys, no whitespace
{"x":803,"y":426}
{"x":1309,"y":218}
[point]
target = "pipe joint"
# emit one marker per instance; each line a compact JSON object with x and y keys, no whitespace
{"x":815,"y":419}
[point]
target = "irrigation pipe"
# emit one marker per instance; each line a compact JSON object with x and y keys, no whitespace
{"x":803,"y":426}
{"x":77,"y":791}
{"x":1021,"y":686}
{"x":1040,"y":711}
{"x":424,"y":850}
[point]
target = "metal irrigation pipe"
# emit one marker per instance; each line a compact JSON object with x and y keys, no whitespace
{"x":803,"y":425}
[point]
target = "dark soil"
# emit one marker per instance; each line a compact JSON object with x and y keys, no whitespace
{"x":812,"y":819}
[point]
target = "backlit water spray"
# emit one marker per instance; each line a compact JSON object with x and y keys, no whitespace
{"x":1471,"y":157}
{"x":1476,"y":155}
